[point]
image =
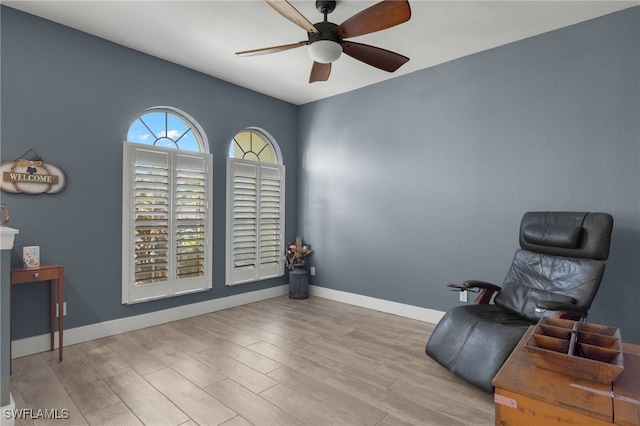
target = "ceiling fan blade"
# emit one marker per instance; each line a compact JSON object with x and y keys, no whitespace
{"x":380,"y":16}
{"x":284,"y":8}
{"x":376,"y":57}
{"x":273,"y":49}
{"x":319,"y":72}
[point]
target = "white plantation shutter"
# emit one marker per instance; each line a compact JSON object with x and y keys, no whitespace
{"x":151,"y":218}
{"x":271,"y":224}
{"x":191,"y":215}
{"x":255,"y":221}
{"x":167,"y":225}
{"x":244,"y":221}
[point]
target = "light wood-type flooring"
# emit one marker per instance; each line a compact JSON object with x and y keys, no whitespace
{"x":274,"y":362}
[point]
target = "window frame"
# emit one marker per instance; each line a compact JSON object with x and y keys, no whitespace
{"x":178,"y":163}
{"x":259,"y":170}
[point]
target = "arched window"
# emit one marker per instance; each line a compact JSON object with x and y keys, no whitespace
{"x":169,"y":128}
{"x":255,"y":208}
{"x":254,"y":145}
{"x":166,"y":226}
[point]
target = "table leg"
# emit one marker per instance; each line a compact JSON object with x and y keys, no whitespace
{"x":10,"y":332}
{"x":61,"y":309}
{"x":52,"y":311}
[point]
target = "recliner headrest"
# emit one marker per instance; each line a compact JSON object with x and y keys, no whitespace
{"x":569,"y":234}
{"x":564,"y":236}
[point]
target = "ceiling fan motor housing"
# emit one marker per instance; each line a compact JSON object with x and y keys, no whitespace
{"x":325,"y":6}
{"x":325,"y":32}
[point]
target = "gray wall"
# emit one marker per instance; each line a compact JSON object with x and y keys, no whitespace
{"x":421,"y":181}
{"x":71,"y":97}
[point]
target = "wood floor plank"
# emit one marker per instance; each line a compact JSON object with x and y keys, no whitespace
{"x":221,"y":329}
{"x":412,"y":384}
{"x":402,"y":408}
{"x":246,"y":356}
{"x":395,"y":337}
{"x":235,"y":370}
{"x":52,"y":358}
{"x":471,"y":399}
{"x":333,"y":347}
{"x":60,"y":412}
{"x":114,"y":415}
{"x":200,"y":406}
{"x":135,"y":356}
{"x":104,"y":362}
{"x":345,"y":407}
{"x":295,"y":321}
{"x":168,"y":336}
{"x":293,"y":360}
{"x":348,"y":315}
{"x":347,"y":366}
{"x":309,"y":410}
{"x":279,"y":335}
{"x":28,"y":364}
{"x":249,"y":405}
{"x":84,"y":347}
{"x":39,"y":386}
{"x":145,"y":401}
{"x":193,"y":327}
{"x":390,"y":420}
{"x":318,"y":324}
{"x":74,"y":374}
{"x":368,"y":353}
{"x":383,"y":348}
{"x":93,"y":397}
{"x":194,"y":370}
{"x":237,"y":421}
{"x":73,"y":416}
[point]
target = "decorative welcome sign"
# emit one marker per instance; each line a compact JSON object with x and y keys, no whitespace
{"x":31,"y":175}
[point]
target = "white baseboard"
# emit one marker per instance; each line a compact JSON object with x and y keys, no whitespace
{"x":72,"y":336}
{"x":400,"y":309}
{"x":42,"y":343}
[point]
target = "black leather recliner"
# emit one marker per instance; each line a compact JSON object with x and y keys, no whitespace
{"x":557,"y":271}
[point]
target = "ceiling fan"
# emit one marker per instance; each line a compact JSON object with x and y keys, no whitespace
{"x":326,"y":40}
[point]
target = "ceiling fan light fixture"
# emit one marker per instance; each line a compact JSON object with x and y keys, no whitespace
{"x":325,"y":51}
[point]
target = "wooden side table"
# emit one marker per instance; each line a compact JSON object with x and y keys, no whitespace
{"x":53,"y":273}
{"x":528,"y":395}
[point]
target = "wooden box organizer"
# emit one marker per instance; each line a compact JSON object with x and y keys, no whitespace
{"x":588,"y":351}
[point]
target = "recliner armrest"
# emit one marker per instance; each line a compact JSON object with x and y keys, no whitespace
{"x":481,"y":284}
{"x":469,"y":285}
{"x":457,"y":287}
{"x":563,"y":307}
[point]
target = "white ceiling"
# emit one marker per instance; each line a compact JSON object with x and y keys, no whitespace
{"x":203,"y":35}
